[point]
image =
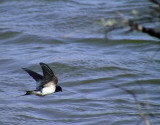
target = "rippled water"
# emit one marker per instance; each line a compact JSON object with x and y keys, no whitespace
{"x":68,"y":36}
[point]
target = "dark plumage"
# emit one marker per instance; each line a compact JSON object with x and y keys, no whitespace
{"x":46,"y":84}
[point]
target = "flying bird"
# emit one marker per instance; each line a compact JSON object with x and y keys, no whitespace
{"x":46,"y":84}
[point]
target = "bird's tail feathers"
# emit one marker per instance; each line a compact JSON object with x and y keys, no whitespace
{"x":28,"y":93}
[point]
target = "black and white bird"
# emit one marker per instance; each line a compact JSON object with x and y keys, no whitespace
{"x":46,"y":84}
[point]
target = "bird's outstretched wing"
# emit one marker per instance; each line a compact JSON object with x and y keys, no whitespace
{"x":37,"y":77}
{"x":47,"y":73}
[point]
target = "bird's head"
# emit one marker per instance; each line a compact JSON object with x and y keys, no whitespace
{"x":58,"y":88}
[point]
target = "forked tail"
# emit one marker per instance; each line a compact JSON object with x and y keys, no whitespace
{"x":28,"y":93}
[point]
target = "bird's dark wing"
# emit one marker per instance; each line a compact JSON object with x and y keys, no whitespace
{"x":34,"y":75}
{"x":47,"y":73}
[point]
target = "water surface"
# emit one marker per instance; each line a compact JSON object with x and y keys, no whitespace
{"x":68,"y":36}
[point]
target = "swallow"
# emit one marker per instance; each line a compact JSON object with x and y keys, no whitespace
{"x":46,"y":84}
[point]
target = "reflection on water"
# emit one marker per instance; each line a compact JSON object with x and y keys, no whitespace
{"x":67,"y":36}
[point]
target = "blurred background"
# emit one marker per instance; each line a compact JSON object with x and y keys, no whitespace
{"x":69,"y":36}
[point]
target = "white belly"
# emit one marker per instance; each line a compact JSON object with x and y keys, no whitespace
{"x":48,"y":90}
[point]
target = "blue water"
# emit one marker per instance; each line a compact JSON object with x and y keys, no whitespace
{"x":69,"y":37}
